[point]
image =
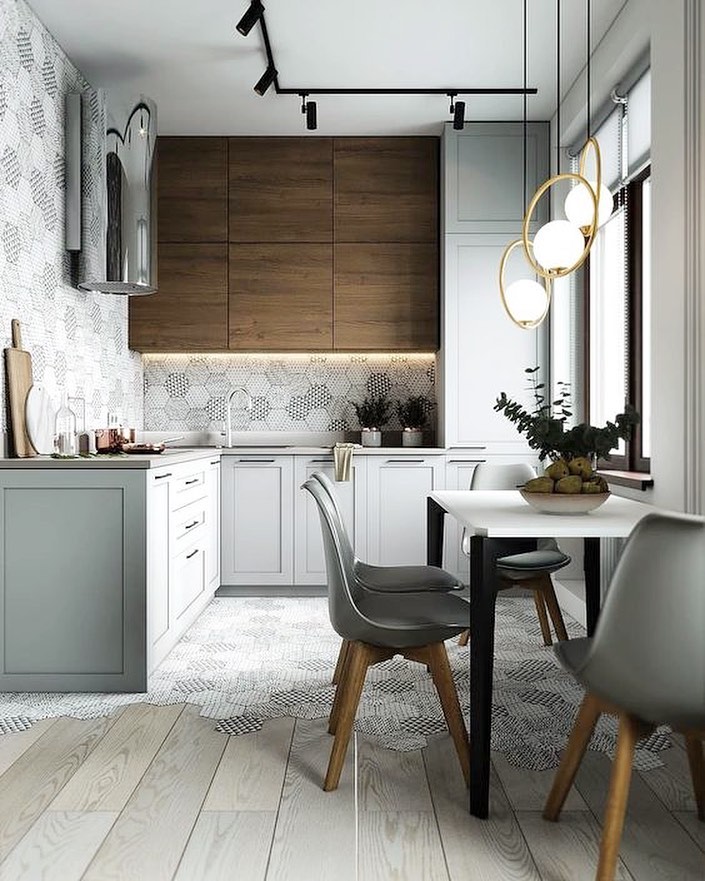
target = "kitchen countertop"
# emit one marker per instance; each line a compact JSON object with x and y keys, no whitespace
{"x":175,"y":455}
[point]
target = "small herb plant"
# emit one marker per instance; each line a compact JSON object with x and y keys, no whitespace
{"x":373,"y":412}
{"x":414,"y":412}
{"x":545,"y":426}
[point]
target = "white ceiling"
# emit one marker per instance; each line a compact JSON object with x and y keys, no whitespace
{"x":187,"y":55}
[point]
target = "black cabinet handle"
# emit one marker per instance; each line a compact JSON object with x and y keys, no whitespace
{"x":466,"y":461}
{"x":189,"y":482}
{"x":257,"y":461}
{"x":404,"y":461}
{"x":191,"y":525}
{"x":192,"y":554}
{"x":216,"y":462}
{"x":162,"y":476}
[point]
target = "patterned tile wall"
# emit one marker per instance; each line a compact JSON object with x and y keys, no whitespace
{"x":289,"y":392}
{"x":78,"y":341}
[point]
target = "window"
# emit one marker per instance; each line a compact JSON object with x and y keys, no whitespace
{"x":618,"y":319}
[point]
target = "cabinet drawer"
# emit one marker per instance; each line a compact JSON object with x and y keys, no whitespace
{"x":189,"y":524}
{"x":189,"y":578}
{"x":187,"y":488}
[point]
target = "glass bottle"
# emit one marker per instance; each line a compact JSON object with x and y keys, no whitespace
{"x":65,"y":430}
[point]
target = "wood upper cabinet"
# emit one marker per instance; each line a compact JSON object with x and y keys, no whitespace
{"x":281,"y":297}
{"x":190,"y":310}
{"x":386,"y":189}
{"x":192,"y":189}
{"x":281,"y":189}
{"x":386,"y":297}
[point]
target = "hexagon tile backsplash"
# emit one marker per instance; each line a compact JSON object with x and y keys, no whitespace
{"x":289,"y":392}
{"x":78,"y":341}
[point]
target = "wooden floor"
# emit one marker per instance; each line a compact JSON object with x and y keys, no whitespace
{"x":156,"y":794}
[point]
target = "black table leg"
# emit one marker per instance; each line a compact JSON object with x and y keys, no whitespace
{"x":591,"y":557}
{"x":435,"y":516}
{"x":483,"y":594}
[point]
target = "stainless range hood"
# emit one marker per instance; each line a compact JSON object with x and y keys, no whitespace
{"x":118,"y":254}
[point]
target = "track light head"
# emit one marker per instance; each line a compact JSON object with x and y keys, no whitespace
{"x":266,"y":80}
{"x":311,"y":116}
{"x":250,"y":18}
{"x":459,"y":115}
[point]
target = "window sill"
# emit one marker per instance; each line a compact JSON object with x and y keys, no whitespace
{"x":631,"y":479}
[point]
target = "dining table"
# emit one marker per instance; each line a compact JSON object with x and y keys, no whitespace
{"x":491,"y":518}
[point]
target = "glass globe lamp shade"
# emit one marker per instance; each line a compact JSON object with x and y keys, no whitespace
{"x":558,"y":245}
{"x":526,"y":301}
{"x":580,"y":209}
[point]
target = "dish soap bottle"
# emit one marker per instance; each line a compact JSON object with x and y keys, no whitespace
{"x":65,"y":430}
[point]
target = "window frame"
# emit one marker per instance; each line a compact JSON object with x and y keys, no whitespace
{"x":631,"y":196}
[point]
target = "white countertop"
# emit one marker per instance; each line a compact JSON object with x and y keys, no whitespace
{"x":175,"y":455}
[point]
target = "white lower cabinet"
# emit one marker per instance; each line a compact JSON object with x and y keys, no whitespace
{"x":459,"y":471}
{"x":183,"y":537}
{"x":397,"y":489}
{"x":309,"y":560}
{"x":257,"y":520}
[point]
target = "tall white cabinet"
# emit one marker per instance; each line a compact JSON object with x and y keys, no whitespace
{"x":482,"y":352}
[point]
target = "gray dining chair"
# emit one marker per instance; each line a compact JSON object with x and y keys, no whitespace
{"x":384,"y":579}
{"x":645,"y":663}
{"x":379,"y":625}
{"x":530,"y":570}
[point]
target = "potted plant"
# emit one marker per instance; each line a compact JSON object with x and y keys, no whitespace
{"x":574,"y":452}
{"x":373,"y":414}
{"x":413,"y":415}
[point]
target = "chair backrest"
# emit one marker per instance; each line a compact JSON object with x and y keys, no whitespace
{"x":488,"y":475}
{"x":329,"y":488}
{"x":650,"y":639}
{"x":342,"y":587}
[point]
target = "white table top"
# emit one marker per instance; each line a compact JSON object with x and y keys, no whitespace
{"x":504,"y":514}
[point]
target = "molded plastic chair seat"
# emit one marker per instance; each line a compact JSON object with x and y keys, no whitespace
{"x":645,"y":663}
{"x":518,"y":566}
{"x":405,"y":579}
{"x":414,"y":620}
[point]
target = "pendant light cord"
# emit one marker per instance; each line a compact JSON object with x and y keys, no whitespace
{"x":558,"y":86}
{"x":587,"y":67}
{"x":526,"y":98}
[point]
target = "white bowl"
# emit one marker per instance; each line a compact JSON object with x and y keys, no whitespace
{"x":564,"y":503}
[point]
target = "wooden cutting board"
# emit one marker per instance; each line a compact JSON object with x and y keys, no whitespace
{"x":19,"y":381}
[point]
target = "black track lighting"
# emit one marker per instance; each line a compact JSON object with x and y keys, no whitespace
{"x":266,"y":80}
{"x":250,"y":18}
{"x":459,"y":115}
{"x":311,"y":116}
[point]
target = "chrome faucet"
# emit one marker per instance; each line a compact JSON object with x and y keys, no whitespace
{"x":228,"y":411}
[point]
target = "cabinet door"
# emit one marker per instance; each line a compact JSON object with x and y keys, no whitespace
{"x":158,"y":553}
{"x":459,"y":471}
{"x":484,"y":353}
{"x":281,"y":189}
{"x":386,"y":189}
{"x":189,"y":312}
{"x":257,"y":516}
{"x":310,"y":565}
{"x":281,"y":298}
{"x":397,"y":489}
{"x":483,"y":176}
{"x":192,"y":189}
{"x":386,"y":297}
{"x":213,"y":526}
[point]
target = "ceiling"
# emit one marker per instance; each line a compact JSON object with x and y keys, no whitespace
{"x":187,"y":56}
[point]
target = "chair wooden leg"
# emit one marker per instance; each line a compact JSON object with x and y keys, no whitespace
{"x":588,"y":714}
{"x":360,"y":658}
{"x":342,"y":655}
{"x":694,"y":746}
{"x":629,"y":732}
{"x":543,"y":617}
{"x":445,"y":686}
{"x":464,"y":638}
{"x":338,"y":698}
{"x":554,"y":610}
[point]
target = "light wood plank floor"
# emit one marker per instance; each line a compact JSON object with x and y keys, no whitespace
{"x":154,"y":794}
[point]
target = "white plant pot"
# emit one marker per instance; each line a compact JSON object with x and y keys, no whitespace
{"x":412,"y":437}
{"x":371,"y":437}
